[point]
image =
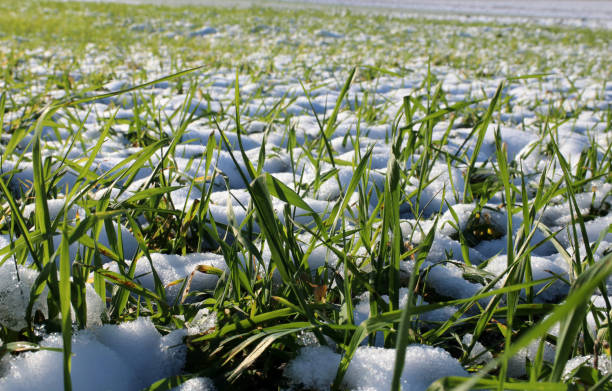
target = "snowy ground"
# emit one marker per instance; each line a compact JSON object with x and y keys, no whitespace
{"x":291,"y":75}
{"x":583,"y":9}
{"x":582,"y":13}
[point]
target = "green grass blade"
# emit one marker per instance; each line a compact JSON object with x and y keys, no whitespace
{"x":64,"y":291}
{"x":25,"y":232}
{"x":403,"y":338}
{"x":246,"y":324}
{"x":329,"y":126}
{"x":449,"y":383}
{"x":482,"y":130}
{"x":43,"y":221}
{"x":341,"y":205}
{"x":168,"y":383}
{"x":126,"y":90}
{"x":126,"y":283}
{"x":284,"y":193}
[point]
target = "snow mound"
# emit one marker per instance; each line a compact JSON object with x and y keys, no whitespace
{"x":55,"y":208}
{"x":517,"y":365}
{"x":16,"y":283}
{"x":314,"y":368}
{"x":541,"y":268}
{"x":196,"y":384}
{"x":126,"y":357}
{"x":172,"y":268}
{"x":371,"y":368}
{"x":206,"y":30}
{"x":15,"y":286}
{"x":604,"y":364}
{"x":362,"y":308}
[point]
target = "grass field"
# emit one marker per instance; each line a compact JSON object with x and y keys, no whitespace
{"x":266,"y":198}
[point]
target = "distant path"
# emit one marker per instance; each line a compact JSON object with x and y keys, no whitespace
{"x":584,"y":13}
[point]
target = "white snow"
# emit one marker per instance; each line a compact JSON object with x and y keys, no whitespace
{"x":15,"y":284}
{"x":128,"y":357}
{"x":371,"y":368}
{"x":604,"y":364}
{"x":196,"y":384}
